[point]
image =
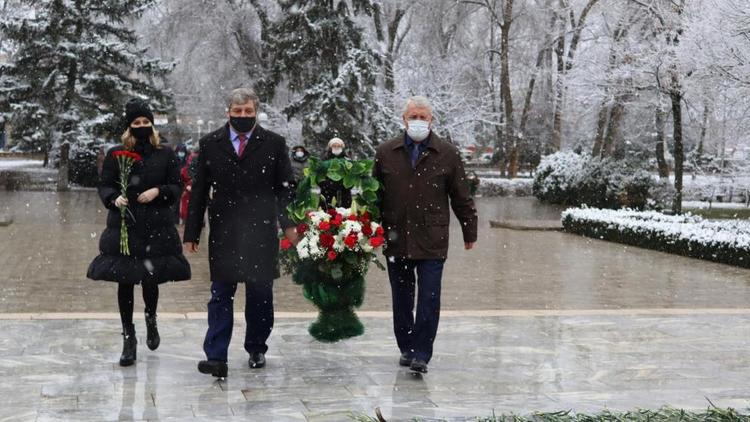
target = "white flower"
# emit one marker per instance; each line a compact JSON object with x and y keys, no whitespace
{"x":319,"y":216}
{"x":352,"y":226}
{"x":302,"y":248}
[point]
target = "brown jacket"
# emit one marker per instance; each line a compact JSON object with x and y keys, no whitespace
{"x":414,"y":203}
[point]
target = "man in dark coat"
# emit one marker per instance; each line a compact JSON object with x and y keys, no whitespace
{"x":247,"y":170}
{"x":420,"y":173}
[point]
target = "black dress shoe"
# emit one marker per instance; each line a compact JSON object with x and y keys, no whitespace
{"x":405,"y":359}
{"x":257,"y":360}
{"x":216,"y":368}
{"x":418,"y":365}
{"x":129,"y":345}
{"x":152,"y":333}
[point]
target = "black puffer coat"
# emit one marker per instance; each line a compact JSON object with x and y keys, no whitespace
{"x":155,"y":247}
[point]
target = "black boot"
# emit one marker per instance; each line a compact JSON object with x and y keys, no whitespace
{"x":152,"y":333}
{"x":129,"y":344}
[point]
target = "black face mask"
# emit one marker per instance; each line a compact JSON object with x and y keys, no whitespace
{"x":143,"y":132}
{"x":242,"y":124}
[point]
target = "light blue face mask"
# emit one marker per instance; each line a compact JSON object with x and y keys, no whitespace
{"x":418,"y":130}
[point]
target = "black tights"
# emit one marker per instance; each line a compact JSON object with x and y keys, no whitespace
{"x":125,"y":300}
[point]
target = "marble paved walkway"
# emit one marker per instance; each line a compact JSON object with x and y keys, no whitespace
{"x":65,"y":369}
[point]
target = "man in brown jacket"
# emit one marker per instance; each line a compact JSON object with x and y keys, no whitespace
{"x":420,"y":173}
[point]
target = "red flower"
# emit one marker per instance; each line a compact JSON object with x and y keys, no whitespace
{"x":351,"y":240}
{"x":127,"y":154}
{"x":367,"y":230}
{"x":332,"y":212}
{"x":379,"y":231}
{"x":324,"y":225}
{"x":331,"y":255}
{"x":365,"y":216}
{"x":352,"y":217}
{"x":302,"y":229}
{"x":377,"y":241}
{"x":326,"y":240}
{"x":337,"y":220}
{"x":285,"y":244}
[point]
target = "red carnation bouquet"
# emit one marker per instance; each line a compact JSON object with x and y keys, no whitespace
{"x":125,"y":161}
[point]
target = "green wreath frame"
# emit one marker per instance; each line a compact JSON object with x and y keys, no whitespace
{"x":354,"y":175}
{"x":337,"y":294}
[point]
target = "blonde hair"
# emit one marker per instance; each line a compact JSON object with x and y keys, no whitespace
{"x":129,"y":140}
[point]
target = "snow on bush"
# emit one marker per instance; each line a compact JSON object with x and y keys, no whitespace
{"x":504,"y":187}
{"x":573,"y":179}
{"x":726,"y":241}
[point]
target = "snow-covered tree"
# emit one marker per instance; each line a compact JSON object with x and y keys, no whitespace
{"x":75,"y":65}
{"x":320,"y":55}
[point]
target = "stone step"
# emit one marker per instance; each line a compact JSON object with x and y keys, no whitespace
{"x":24,"y":179}
{"x":5,"y":220}
{"x":537,"y":225}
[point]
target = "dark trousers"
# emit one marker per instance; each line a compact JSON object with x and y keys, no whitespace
{"x":415,"y":336}
{"x":258,"y":318}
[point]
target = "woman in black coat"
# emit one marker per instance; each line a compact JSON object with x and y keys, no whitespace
{"x":330,"y":189}
{"x":155,"y":247}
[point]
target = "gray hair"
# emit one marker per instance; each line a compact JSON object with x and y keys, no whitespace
{"x":242,"y":96}
{"x":418,"y":101}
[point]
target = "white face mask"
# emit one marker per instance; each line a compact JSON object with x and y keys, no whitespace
{"x":299,"y":154}
{"x":337,"y":151}
{"x":418,"y":130}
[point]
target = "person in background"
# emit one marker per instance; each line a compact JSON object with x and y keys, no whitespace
{"x":187,"y":180}
{"x":334,"y":193}
{"x":181,"y":151}
{"x":473,"y":180}
{"x":2,"y":135}
{"x":300,"y":156}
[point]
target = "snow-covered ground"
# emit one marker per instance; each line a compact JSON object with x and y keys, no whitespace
{"x":15,"y":163}
{"x":704,"y":205}
{"x":714,"y":187}
{"x":696,"y":190}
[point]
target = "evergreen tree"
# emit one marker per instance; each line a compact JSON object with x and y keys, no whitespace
{"x":320,"y":53}
{"x":74,"y":66}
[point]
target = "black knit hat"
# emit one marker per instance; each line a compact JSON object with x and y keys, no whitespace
{"x":136,"y":108}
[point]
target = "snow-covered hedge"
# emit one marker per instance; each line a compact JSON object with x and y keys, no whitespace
{"x":573,"y":179}
{"x":504,"y":187}
{"x":726,"y":241}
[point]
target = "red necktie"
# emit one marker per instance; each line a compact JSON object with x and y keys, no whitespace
{"x":243,"y":142}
